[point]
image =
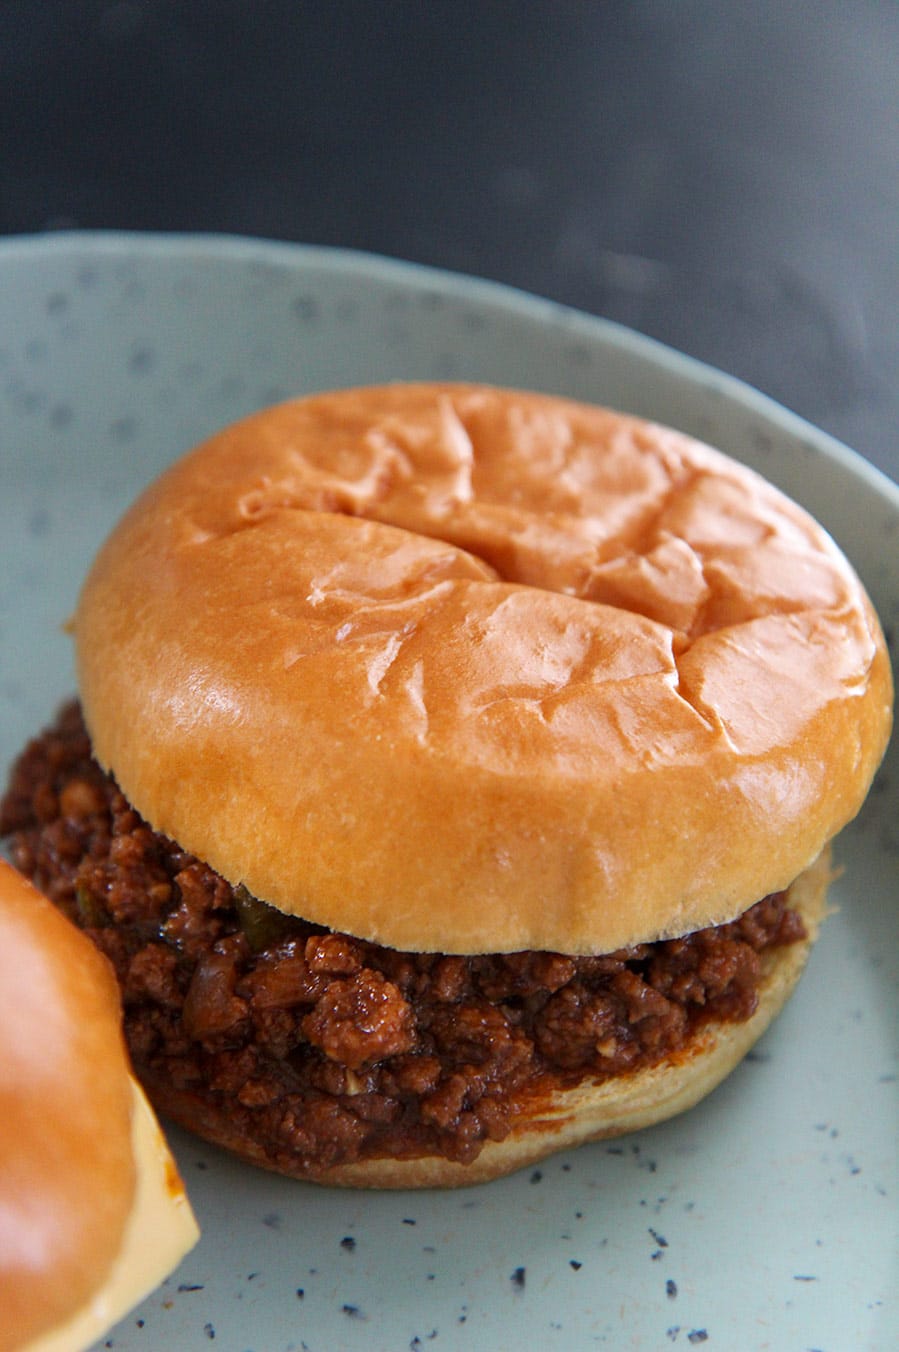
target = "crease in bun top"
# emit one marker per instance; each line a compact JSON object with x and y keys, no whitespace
{"x":456,"y":777}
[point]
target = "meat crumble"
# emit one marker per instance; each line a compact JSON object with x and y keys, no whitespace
{"x":323,"y":1048}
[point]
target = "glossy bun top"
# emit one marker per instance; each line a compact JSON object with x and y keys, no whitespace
{"x":466,"y":669}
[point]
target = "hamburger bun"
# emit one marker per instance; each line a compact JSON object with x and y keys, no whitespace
{"x":456,"y":670}
{"x":468,"y":670}
{"x":93,"y":1214}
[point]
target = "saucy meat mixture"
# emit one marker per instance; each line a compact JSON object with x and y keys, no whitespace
{"x":327,"y":1049}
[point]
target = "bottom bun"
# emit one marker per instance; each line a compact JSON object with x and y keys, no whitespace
{"x":589,"y":1112}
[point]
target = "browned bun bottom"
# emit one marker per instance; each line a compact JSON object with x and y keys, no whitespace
{"x":82,"y":1165}
{"x":556,"y":1121}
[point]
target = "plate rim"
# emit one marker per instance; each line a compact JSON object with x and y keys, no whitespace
{"x":500,"y":296}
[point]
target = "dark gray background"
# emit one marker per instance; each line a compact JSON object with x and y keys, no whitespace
{"x":722,"y":176}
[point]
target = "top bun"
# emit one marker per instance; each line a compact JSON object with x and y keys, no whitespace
{"x":471,"y":670}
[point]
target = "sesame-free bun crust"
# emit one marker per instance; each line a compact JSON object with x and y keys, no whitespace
{"x":82,"y":1161}
{"x":473,"y":670}
{"x":550,"y":1122}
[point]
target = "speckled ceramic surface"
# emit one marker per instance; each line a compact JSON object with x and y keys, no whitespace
{"x":764,"y":1219}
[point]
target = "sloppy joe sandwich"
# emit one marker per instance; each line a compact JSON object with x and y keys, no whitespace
{"x":93,"y":1214}
{"x":453,"y":776}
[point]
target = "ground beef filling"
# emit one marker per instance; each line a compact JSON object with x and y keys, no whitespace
{"x":325,"y":1048}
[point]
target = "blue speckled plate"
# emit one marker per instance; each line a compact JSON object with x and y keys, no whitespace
{"x":766,"y":1218}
